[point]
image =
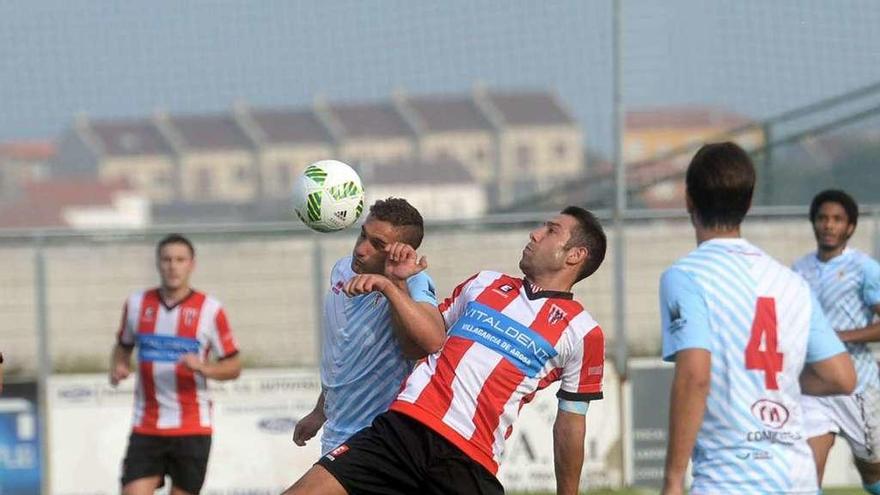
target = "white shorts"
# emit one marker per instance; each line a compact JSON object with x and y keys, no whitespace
{"x":855,"y":417}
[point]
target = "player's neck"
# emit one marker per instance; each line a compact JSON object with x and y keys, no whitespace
{"x":550,"y":282}
{"x":706,"y":234}
{"x":173,"y":296}
{"x":830,"y":254}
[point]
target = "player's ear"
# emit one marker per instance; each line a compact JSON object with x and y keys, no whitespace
{"x":688,"y":202}
{"x":577,"y":255}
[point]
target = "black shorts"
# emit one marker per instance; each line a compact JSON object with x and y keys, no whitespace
{"x":399,"y":455}
{"x":184,"y":458}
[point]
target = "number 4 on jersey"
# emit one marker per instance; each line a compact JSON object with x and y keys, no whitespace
{"x":764,"y":329}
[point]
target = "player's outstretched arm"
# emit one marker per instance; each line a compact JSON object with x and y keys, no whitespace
{"x":120,"y":363}
{"x":228,"y":368}
{"x":569,"y":431}
{"x":833,"y":376}
{"x":307,"y":427}
{"x":690,"y":389}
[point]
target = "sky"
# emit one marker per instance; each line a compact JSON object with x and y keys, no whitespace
{"x":61,"y":58}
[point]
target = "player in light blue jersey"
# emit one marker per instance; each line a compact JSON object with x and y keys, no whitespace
{"x":365,"y":354}
{"x":747,"y":338}
{"x":847,"y":284}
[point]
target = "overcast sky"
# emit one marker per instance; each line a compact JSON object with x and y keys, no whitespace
{"x":113,"y":59}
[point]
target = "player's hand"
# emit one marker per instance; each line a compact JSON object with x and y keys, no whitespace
{"x":402,"y":261}
{"x":308,"y":427}
{"x":364,"y":284}
{"x":118,"y":373}
{"x":192,"y":362}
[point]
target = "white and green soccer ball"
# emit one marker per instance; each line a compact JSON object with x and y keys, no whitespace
{"x":328,"y":196}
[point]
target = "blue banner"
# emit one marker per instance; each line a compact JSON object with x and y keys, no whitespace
{"x":20,"y":466}
{"x":519,"y":344}
{"x":164,"y":348}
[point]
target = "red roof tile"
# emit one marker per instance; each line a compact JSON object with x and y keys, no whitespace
{"x":685,"y":117}
{"x":28,"y":150}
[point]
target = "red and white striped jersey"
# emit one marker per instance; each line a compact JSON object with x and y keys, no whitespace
{"x":170,"y":399}
{"x":506,"y":339}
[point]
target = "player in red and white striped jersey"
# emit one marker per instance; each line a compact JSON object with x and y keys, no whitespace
{"x":175,"y":330}
{"x":506,"y":338}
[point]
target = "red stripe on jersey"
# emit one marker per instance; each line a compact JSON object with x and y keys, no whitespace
{"x":500,"y":385}
{"x":188,"y":317}
{"x":147,"y":324}
{"x":554,"y":318}
{"x":227,"y":341}
{"x":437,"y":395}
{"x":592,"y":367}
{"x":449,"y":301}
{"x":500,"y":293}
{"x":122,"y":324}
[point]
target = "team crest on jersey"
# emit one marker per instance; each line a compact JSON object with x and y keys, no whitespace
{"x":149,"y":313}
{"x":841,"y":274}
{"x":556,"y":314}
{"x":189,"y":316}
{"x":771,"y":413}
{"x":338,"y":451}
{"x":337,"y":288}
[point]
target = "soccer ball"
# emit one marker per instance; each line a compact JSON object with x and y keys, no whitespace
{"x":328,"y":196}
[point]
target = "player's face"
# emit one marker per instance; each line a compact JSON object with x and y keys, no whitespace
{"x":546,"y":251}
{"x":175,"y":266}
{"x":369,"y":250}
{"x":832,"y":226}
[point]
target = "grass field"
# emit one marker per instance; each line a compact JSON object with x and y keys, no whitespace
{"x":634,"y":491}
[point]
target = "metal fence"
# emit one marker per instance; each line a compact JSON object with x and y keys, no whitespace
{"x":63,"y":292}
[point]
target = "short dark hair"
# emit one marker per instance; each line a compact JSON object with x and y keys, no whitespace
{"x":720,"y":182}
{"x":839,"y":197}
{"x":175,"y":239}
{"x":399,"y":213}
{"x":590,"y":235}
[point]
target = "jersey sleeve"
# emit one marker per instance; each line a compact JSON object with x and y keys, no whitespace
{"x":223,"y":344}
{"x":683,"y":313}
{"x":452,"y":307}
{"x":823,"y":341}
{"x":871,"y":282}
{"x":582,"y":372}
{"x":421,"y":289}
{"x":125,"y":334}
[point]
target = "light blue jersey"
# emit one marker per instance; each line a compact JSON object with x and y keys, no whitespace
{"x":847,"y":286}
{"x":761,"y":324}
{"x":362,"y":367}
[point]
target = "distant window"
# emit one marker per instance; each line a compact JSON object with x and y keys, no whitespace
{"x":242,"y":173}
{"x":480,"y":154}
{"x":162,"y":179}
{"x":443,"y":154}
{"x":524,"y":157}
{"x":561,"y":150}
{"x":204,"y":183}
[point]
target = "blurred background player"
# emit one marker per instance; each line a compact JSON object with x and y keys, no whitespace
{"x":847,"y":285}
{"x":175,"y":329}
{"x":747,"y":338}
{"x":508,"y":337}
{"x":365,"y":354}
